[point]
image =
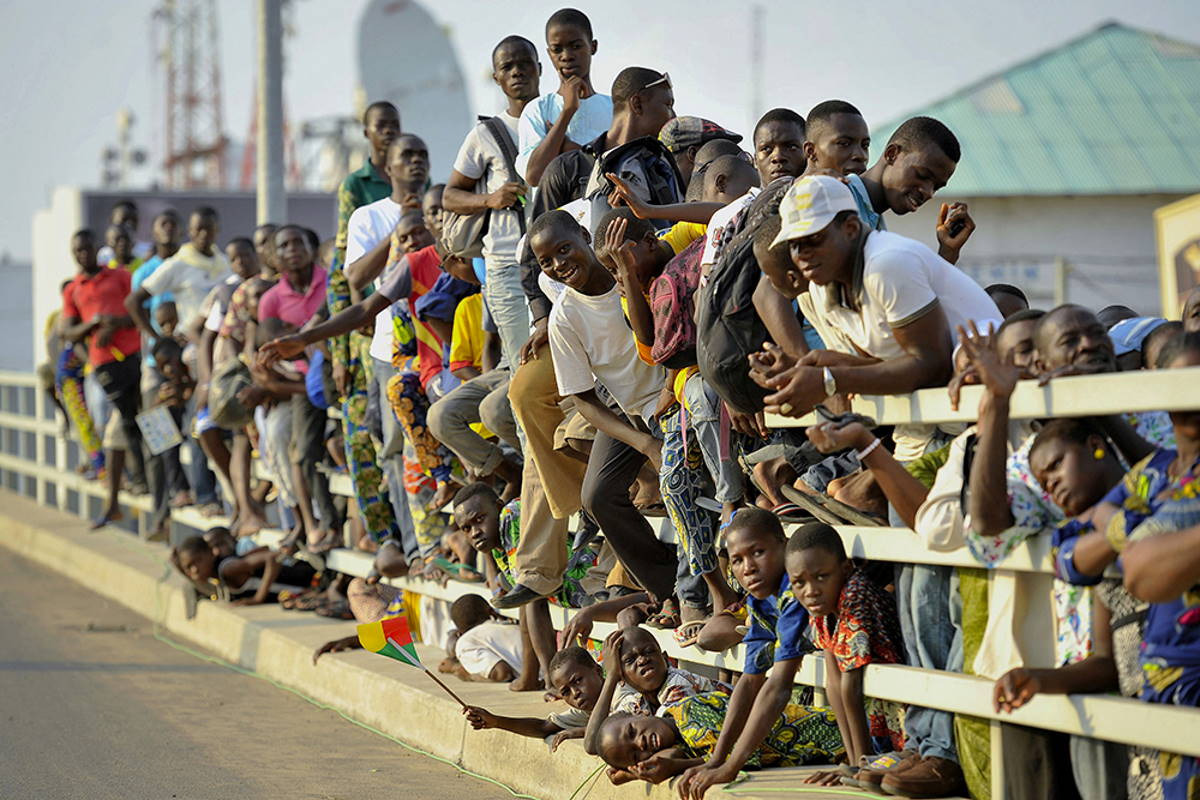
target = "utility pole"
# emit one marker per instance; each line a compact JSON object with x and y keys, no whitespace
{"x":1062,"y":273}
{"x":757,"y":56}
{"x":271,"y":206}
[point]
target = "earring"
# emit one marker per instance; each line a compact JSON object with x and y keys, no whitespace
{"x":1098,"y":454}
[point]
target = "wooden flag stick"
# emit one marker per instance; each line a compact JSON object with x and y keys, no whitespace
{"x":447,"y":689}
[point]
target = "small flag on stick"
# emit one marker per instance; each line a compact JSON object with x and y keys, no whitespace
{"x":391,"y":637}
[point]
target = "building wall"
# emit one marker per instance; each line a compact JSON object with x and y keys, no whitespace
{"x":1108,"y":244}
{"x":72,"y":208}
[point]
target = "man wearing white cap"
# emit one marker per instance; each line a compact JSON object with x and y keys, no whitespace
{"x":895,"y":300}
{"x":893,"y":303}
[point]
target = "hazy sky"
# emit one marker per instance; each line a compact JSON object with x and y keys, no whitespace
{"x":72,"y":64}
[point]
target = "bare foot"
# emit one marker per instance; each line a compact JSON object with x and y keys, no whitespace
{"x":526,"y":683}
{"x":323,"y":541}
{"x":109,"y":516}
{"x":445,"y":493}
{"x":390,"y":561}
{"x":250,"y":523}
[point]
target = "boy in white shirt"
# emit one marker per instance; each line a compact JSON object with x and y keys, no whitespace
{"x":591,"y":342}
{"x":481,"y":182}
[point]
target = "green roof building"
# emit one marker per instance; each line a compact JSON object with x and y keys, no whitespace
{"x":1065,"y":156}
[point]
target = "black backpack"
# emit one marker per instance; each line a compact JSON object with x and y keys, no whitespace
{"x":728,"y":325}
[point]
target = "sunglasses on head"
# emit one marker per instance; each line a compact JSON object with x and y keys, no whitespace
{"x":665,"y":80}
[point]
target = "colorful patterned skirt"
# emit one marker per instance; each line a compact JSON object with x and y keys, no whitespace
{"x":801,"y":735}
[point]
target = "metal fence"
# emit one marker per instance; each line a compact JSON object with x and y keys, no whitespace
{"x":36,"y":460}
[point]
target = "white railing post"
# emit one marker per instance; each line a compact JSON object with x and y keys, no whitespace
{"x":996,"y":761}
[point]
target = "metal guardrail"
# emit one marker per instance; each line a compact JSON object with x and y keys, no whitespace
{"x":35,"y":460}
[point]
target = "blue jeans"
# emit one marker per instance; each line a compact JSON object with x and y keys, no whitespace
{"x":202,"y":479}
{"x":930,"y":609}
{"x":509,"y":309}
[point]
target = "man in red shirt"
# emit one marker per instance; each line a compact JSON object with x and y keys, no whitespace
{"x":94,"y":310}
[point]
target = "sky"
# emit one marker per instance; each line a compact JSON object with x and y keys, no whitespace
{"x":61,"y":101}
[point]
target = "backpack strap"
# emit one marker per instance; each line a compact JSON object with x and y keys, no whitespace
{"x":508,"y":149}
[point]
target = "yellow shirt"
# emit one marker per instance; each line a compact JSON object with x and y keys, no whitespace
{"x":467,"y":337}
{"x":681,"y":234}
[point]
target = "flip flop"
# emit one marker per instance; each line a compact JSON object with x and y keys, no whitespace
{"x":790,"y":512}
{"x":665,"y":619}
{"x":687,"y":633}
{"x":828,"y":509}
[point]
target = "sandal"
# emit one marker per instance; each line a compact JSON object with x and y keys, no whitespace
{"x":307,"y":602}
{"x":790,"y":512}
{"x":829,"y":510}
{"x":291,"y":601}
{"x":667,"y":617}
{"x":687,"y":633}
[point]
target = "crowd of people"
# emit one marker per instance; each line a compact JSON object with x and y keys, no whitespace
{"x":547,"y":372}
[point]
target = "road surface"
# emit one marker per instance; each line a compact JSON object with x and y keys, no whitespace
{"x":93,"y":706}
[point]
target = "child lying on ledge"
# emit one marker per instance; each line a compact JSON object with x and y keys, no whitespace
{"x":210,"y":563}
{"x":684,"y":733}
{"x":576,"y":676}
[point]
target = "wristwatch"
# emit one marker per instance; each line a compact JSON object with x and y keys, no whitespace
{"x":830,"y":383}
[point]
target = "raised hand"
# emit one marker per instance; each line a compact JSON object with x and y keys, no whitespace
{"x":622,"y":194}
{"x":574,"y":89}
{"x":611,"y":654}
{"x":999,"y":378}
{"x":954,"y":227}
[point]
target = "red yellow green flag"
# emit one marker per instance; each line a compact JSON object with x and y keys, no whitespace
{"x":390,"y":637}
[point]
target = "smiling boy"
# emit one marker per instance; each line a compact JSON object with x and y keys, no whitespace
{"x":590,"y":342}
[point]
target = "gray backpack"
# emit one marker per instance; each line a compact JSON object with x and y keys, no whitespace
{"x":462,"y":234}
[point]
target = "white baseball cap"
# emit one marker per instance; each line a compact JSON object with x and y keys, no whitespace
{"x":810,"y":204}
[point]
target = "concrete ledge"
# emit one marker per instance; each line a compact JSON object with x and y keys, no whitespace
{"x":279,"y":645}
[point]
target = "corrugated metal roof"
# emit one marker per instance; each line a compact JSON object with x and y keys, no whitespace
{"x":1116,"y":111}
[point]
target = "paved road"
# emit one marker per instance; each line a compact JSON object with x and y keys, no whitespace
{"x":93,"y":706}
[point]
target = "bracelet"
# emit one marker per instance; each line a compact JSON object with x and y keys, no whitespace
{"x":866,"y":451}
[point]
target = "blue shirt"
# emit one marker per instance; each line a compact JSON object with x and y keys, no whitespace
{"x":593,"y":118}
{"x":866,"y":211}
{"x":777,"y":626}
